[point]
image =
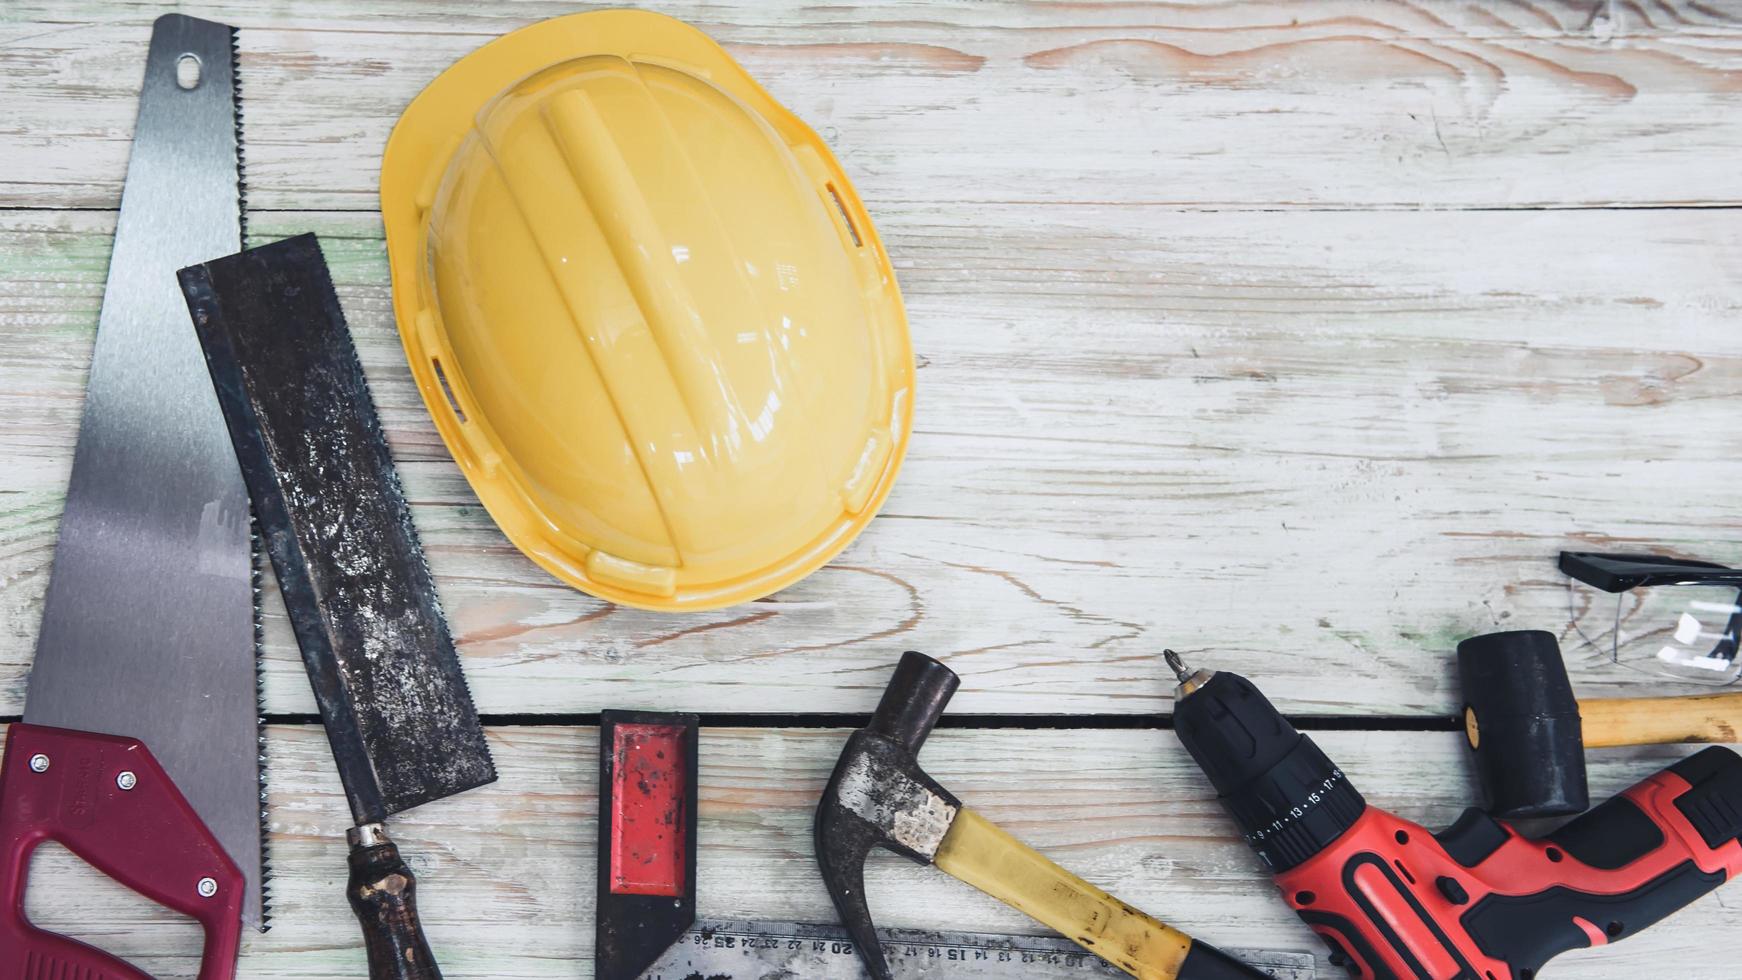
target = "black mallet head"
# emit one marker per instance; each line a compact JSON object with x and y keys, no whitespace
{"x":1523,"y":724}
{"x":880,"y":797}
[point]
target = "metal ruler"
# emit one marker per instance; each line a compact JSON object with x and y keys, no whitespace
{"x":735,"y":950}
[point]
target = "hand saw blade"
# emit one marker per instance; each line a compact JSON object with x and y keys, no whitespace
{"x":733,"y":950}
{"x":149,"y":625}
{"x":358,"y":591}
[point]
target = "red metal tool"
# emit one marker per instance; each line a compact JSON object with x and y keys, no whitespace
{"x":1476,"y":901}
{"x":647,"y":838}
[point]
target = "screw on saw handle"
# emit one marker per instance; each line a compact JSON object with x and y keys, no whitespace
{"x":108,"y":801}
{"x":383,"y":893}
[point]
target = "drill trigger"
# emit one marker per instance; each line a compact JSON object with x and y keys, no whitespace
{"x":1473,"y":837}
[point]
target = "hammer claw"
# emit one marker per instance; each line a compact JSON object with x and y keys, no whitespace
{"x":841,"y":856}
{"x":880,"y":797}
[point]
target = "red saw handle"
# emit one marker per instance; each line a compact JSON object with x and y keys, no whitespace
{"x":66,"y":786}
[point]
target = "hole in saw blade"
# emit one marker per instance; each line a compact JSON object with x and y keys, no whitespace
{"x":64,"y":894}
{"x":187,"y":71}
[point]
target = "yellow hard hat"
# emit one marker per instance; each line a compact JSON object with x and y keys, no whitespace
{"x":650,"y":316}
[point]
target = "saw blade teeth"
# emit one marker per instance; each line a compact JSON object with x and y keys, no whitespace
{"x":256,"y":550}
{"x":256,"y":570}
{"x":395,"y":491}
{"x":265,"y":897}
{"x":236,"y":111}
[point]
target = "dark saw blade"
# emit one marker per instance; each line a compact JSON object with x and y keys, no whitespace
{"x":355,"y":584}
{"x":149,"y":624}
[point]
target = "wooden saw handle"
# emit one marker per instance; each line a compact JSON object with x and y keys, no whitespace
{"x":383,"y":893}
{"x":1610,"y":722}
{"x":998,"y":864}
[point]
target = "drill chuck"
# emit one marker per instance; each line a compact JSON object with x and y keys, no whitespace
{"x":1290,"y":800}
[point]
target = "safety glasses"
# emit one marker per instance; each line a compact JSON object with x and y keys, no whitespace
{"x":1656,"y":614}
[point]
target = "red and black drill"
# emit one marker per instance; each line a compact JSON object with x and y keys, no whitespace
{"x":1475,"y":901}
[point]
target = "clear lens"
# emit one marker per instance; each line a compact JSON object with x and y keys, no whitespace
{"x":1683,"y":631}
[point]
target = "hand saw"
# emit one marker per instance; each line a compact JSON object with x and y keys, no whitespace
{"x":360,"y":597}
{"x":140,"y":745}
{"x":646,"y":927}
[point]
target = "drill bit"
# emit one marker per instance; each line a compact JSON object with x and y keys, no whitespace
{"x":1189,"y":679}
{"x":1178,"y":665}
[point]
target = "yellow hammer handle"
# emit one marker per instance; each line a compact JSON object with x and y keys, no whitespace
{"x":1003,"y":867}
{"x":1652,"y":721}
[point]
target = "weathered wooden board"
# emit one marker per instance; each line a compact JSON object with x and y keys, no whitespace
{"x":1325,"y":446}
{"x":506,"y":873}
{"x":1260,"y":103}
{"x":1194,"y":372}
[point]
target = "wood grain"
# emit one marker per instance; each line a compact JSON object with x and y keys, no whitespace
{"x":1296,"y":334}
{"x":1319,"y":448}
{"x":1245,"y":104}
{"x":507,"y":877}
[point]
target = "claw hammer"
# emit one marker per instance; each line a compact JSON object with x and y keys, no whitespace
{"x":880,"y":797}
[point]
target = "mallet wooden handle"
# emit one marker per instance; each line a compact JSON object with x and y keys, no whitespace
{"x":986,"y":857}
{"x":1610,"y":722}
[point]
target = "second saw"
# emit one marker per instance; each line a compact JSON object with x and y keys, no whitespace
{"x":358,"y":591}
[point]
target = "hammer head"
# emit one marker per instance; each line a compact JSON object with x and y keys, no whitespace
{"x":1523,"y":724}
{"x":880,"y":797}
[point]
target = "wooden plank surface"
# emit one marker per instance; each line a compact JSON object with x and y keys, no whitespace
{"x":1263,"y":103}
{"x":506,"y":873}
{"x":1298,"y":334}
{"x":1285,"y":440}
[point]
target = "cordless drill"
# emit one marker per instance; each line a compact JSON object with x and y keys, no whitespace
{"x":1476,"y":901}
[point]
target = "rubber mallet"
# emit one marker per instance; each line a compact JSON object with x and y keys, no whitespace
{"x":1529,"y":734}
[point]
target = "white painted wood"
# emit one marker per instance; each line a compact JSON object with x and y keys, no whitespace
{"x":1194,"y":372}
{"x":1264,"y":103}
{"x":506,"y":873}
{"x":1324,"y":446}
